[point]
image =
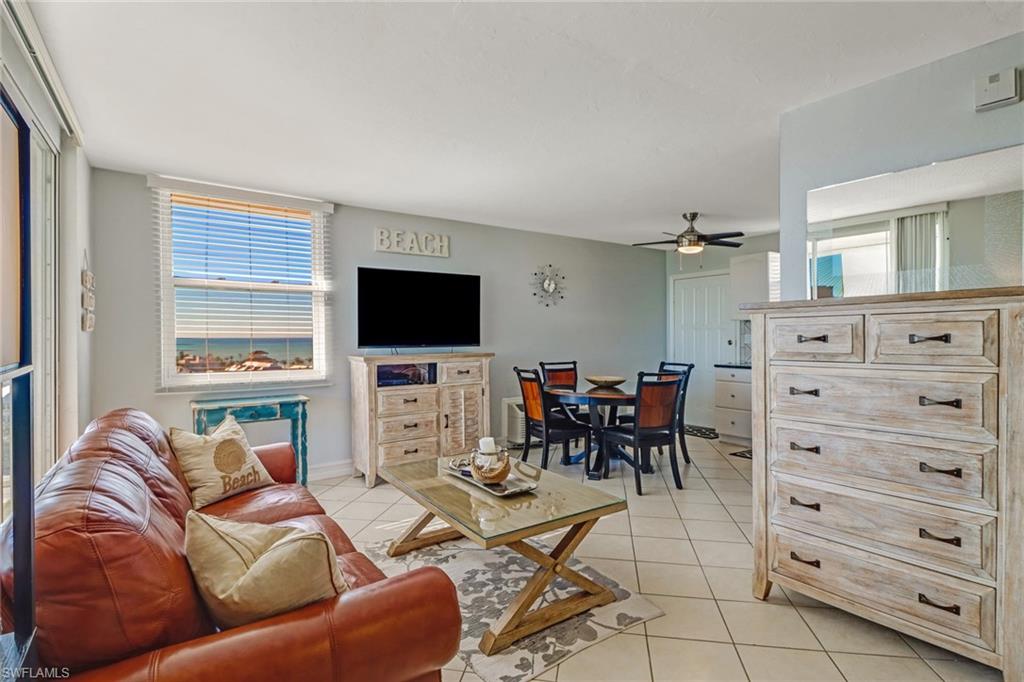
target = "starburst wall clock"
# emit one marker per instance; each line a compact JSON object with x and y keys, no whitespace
{"x":548,"y":285}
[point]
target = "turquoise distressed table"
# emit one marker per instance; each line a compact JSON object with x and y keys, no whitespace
{"x":208,"y":414}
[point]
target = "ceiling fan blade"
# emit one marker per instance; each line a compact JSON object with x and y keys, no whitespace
{"x":667,"y":241}
{"x":670,"y":234}
{"x":720,"y":242}
{"x":723,"y":235}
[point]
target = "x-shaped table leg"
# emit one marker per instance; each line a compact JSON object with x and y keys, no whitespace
{"x":518,"y":621}
{"x":414,"y":536}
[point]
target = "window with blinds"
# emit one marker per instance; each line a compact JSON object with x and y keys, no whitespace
{"x":243,"y":286}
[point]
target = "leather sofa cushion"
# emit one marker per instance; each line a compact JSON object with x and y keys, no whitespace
{"x":112,"y":580}
{"x":147,"y":429}
{"x":358,"y":571}
{"x":250,"y":571}
{"x":267,"y":505}
{"x":127,"y":448}
{"x":324,"y":524}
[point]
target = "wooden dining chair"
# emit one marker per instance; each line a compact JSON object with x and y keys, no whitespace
{"x":544,"y":418}
{"x":655,"y":423}
{"x":564,"y":373}
{"x":685,"y":369}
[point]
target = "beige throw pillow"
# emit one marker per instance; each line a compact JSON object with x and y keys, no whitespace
{"x":218,"y":465}
{"x":250,"y":571}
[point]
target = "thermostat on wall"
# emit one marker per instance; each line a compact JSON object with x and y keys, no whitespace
{"x":996,"y":90}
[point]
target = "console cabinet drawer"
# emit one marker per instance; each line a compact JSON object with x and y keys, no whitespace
{"x":406,"y":402}
{"x":963,"y":405}
{"x":410,"y":451}
{"x":969,"y":338}
{"x":390,"y":429}
{"x":838,"y":338}
{"x":929,"y":468}
{"x":738,"y":374}
{"x":460,"y":372}
{"x":945,"y":538}
{"x":951,"y":606}
{"x":732,"y":395}
{"x":733,"y":422}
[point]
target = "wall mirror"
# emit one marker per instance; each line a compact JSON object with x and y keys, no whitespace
{"x":956,"y":224}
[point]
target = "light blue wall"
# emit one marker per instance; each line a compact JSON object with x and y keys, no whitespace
{"x":908,"y":120}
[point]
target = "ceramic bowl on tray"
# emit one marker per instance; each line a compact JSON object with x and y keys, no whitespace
{"x":605,"y":381}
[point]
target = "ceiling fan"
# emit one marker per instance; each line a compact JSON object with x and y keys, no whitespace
{"x":692,"y":241}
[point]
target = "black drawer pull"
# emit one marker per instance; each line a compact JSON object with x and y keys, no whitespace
{"x":800,"y":338}
{"x":917,"y":338}
{"x":924,"y":534}
{"x":924,"y":401}
{"x":816,"y":506}
{"x":926,"y":468}
{"x":462,"y":371}
{"x":410,"y":451}
{"x":796,"y":391}
{"x":923,"y":598}
{"x":810,"y":562}
{"x":410,"y":400}
{"x":816,"y":449}
{"x":410,"y":426}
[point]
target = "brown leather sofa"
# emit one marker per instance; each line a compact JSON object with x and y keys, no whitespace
{"x":115,"y":599}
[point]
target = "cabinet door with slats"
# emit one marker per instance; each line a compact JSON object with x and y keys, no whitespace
{"x":461,"y":408}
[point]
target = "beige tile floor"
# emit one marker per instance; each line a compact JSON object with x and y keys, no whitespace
{"x":689,"y":552}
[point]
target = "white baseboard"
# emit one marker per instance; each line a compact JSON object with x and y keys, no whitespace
{"x":320,"y":472}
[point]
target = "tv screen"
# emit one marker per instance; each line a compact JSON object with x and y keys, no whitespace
{"x":402,"y":308}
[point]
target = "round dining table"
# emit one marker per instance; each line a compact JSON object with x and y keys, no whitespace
{"x":594,"y":398}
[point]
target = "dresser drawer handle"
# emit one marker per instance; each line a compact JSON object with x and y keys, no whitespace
{"x":955,"y":402}
{"x":816,"y":506}
{"x":410,"y":426}
{"x":810,"y":562}
{"x":462,"y":371}
{"x":796,"y":391}
{"x":926,"y":468}
{"x":923,"y":598}
{"x":410,"y":451}
{"x":800,"y":338}
{"x":406,"y":401}
{"x":917,"y":338}
{"x":816,"y":449}
{"x":924,"y":534}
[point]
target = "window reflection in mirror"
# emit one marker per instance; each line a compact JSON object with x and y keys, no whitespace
{"x":955,"y":224}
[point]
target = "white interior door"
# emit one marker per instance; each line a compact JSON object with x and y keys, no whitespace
{"x":702,"y":333}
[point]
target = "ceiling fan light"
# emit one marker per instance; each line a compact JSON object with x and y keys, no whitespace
{"x":691,"y":248}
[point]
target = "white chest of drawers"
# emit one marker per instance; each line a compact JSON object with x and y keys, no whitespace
{"x":732,"y":403}
{"x":888,"y":438}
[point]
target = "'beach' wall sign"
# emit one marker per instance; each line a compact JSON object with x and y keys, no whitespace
{"x":410,"y":242}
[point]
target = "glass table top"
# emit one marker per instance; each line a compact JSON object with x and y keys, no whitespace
{"x":556,"y":502}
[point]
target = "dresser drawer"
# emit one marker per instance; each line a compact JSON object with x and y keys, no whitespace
{"x":390,"y":429}
{"x":949,"y":471}
{"x":733,"y":422}
{"x":962,"y":405}
{"x":737,"y":374}
{"x":460,"y":372}
{"x":732,"y":395}
{"x":406,"y":401}
{"x":951,"y":606}
{"x":969,"y":338}
{"x":942,"y":537}
{"x":409,"y":451}
{"x":838,"y":338}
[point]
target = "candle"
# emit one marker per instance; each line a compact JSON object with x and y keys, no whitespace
{"x":487,"y":445}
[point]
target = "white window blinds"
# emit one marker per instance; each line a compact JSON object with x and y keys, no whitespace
{"x":242,"y":288}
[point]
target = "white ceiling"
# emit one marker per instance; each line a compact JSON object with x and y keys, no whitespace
{"x":978,"y":175}
{"x":596,"y":120}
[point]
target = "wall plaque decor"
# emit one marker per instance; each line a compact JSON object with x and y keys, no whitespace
{"x":410,"y":242}
{"x":549,"y":285}
{"x":88,"y":296}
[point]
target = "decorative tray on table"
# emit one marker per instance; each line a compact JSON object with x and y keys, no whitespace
{"x":513,"y":485}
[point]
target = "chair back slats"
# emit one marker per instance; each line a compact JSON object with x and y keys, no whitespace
{"x":533,"y":394}
{"x":560,"y":373}
{"x":657,"y":400}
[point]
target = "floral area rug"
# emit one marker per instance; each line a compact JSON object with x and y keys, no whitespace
{"x":487,"y":580}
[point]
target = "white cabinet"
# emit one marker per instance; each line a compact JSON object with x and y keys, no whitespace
{"x":754,"y":278}
{"x":732,"y":403}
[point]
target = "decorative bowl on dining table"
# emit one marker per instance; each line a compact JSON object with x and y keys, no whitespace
{"x":605,"y":381}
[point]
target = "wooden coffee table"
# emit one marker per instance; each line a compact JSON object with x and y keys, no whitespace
{"x":492,"y":521}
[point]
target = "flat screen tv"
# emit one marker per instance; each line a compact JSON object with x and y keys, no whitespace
{"x":408,"y":308}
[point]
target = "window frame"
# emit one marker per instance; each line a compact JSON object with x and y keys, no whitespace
{"x":169,"y":379}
